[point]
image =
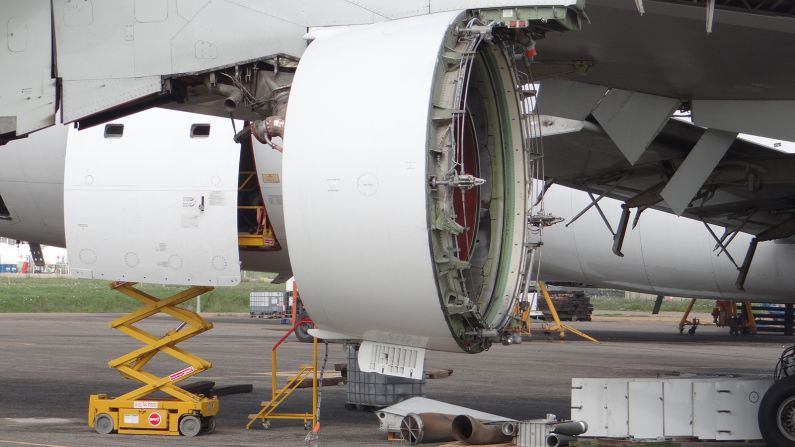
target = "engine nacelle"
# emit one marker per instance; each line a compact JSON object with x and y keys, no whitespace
{"x":405,"y":182}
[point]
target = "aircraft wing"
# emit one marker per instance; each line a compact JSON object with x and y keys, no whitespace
{"x":667,"y":51}
{"x":713,"y":177}
{"x":93,"y":61}
{"x":750,"y":188}
{"x":98,"y":60}
{"x":610,"y":91}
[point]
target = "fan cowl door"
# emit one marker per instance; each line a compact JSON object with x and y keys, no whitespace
{"x":156,"y":204}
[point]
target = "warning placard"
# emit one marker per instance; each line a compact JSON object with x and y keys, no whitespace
{"x":131,"y":419}
{"x":181,"y":373}
{"x":145,"y":404}
{"x":154,"y":419}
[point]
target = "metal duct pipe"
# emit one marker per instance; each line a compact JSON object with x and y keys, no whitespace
{"x":274,"y":126}
{"x":558,"y":440}
{"x":472,"y":431}
{"x":260,"y":131}
{"x":233,"y":95}
{"x":571,"y":428}
{"x":263,"y":130}
{"x":510,"y":428}
{"x":426,"y":427}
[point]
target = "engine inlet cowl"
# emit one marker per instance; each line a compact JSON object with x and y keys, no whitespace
{"x":405,"y":185}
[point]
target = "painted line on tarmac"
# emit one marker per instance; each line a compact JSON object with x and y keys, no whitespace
{"x":2,"y":441}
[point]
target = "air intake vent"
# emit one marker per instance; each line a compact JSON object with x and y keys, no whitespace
{"x":114,"y":130}
{"x":199,"y":130}
{"x":392,"y":360}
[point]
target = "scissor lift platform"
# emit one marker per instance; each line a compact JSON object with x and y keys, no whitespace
{"x":134,"y":413}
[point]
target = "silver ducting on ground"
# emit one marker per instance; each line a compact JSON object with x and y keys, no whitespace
{"x":571,"y":428}
{"x":510,"y":428}
{"x":426,"y":427}
{"x":558,"y":440}
{"x":472,"y":431}
{"x":547,"y":432}
{"x":391,"y":418}
{"x":565,"y":432}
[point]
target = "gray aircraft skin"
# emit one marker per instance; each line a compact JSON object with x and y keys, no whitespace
{"x":664,"y":254}
{"x":428,"y":177}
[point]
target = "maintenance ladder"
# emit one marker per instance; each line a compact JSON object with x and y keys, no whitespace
{"x":268,"y":409}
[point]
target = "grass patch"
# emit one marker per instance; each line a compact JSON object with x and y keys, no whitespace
{"x":19,"y":294}
{"x":646,"y":305}
{"x":37,"y":294}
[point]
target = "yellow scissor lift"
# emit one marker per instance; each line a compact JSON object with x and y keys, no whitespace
{"x":133,"y":413}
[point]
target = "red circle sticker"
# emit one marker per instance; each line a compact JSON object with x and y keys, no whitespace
{"x":154,"y":419}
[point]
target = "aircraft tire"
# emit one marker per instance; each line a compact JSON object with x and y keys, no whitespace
{"x":302,"y":331}
{"x":777,"y":414}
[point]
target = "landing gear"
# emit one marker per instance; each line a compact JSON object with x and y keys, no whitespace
{"x":777,"y":414}
{"x":300,"y":314}
{"x":302,"y":331}
{"x":777,"y":410}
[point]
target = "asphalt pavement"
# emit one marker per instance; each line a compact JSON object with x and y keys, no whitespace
{"x":51,"y":363}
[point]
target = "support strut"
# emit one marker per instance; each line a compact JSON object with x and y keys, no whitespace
{"x":558,"y":325}
{"x":743,"y":270}
{"x":621,"y":231}
{"x":134,"y":412}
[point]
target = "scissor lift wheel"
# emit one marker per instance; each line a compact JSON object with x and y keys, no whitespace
{"x":103,"y":424}
{"x":134,"y":413}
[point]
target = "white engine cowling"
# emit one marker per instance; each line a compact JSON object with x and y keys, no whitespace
{"x":405,"y":183}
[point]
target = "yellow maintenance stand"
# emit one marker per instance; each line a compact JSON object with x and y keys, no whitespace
{"x":134,"y":413}
{"x":558,"y":325}
{"x":268,"y":408}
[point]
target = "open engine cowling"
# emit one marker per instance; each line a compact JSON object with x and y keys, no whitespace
{"x":405,"y":183}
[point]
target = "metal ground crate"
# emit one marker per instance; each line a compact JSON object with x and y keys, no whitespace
{"x":268,"y":304}
{"x":369,"y":389}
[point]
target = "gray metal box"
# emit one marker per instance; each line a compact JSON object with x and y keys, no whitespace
{"x":708,"y":408}
{"x":268,"y":303}
{"x":533,"y":433}
{"x":378,"y":390}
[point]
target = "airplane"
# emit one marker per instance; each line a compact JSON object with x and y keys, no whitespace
{"x":407,"y":144}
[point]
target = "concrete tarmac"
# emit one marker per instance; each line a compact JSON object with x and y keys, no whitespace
{"x":51,"y":363}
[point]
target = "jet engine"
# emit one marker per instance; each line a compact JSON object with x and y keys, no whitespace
{"x":405,"y":182}
{"x":400,"y":196}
